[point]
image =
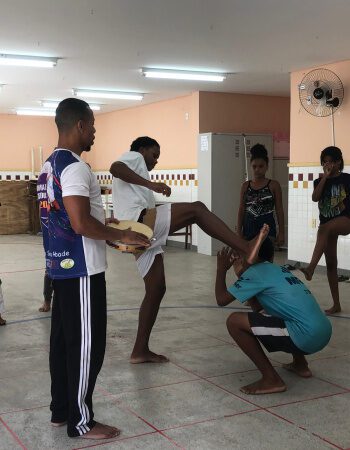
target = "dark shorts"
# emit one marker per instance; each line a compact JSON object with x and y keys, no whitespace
{"x":252,"y":226}
{"x":272,"y":333}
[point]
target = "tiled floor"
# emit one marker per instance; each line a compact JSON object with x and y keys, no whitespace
{"x":193,"y":402}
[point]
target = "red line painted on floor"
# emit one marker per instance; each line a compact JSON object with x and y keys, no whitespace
{"x":214,"y":384}
{"x":215,"y":337}
{"x":302,"y":428}
{"x":115,"y":441}
{"x":155,"y":386}
{"x":131,"y":411}
{"x":326,"y":440}
{"x":20,"y":243}
{"x":13,"y":434}
{"x":22,"y":410}
{"x":21,"y":271}
{"x":123,"y":406}
{"x":212,"y":419}
{"x":307,"y":400}
{"x":333,"y":384}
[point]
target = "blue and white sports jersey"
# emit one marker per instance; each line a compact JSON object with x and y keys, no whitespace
{"x":69,"y":255}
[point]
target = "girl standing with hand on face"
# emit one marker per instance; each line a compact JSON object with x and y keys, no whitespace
{"x":332,"y":192}
{"x":261,"y":200}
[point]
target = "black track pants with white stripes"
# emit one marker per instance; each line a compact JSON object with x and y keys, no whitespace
{"x":77,"y":347}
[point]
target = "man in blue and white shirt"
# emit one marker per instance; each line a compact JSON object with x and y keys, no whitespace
{"x":74,"y":233}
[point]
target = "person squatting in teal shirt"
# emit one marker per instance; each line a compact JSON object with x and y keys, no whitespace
{"x":286,"y":316}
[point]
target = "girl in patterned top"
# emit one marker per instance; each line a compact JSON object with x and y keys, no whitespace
{"x":261,"y":200}
{"x":332,"y":192}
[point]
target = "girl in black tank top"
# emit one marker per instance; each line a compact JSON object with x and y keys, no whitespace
{"x":261,"y":200}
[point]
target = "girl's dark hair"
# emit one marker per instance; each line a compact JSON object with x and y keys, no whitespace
{"x":335,"y":153}
{"x":258,"y":151}
{"x":143,"y":141}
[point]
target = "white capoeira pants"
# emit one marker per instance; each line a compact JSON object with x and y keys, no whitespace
{"x":160,"y":233}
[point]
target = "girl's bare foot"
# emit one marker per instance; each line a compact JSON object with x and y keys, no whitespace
{"x":101,"y":431}
{"x":299,"y":369}
{"x":148,"y":357}
{"x":307,"y":272}
{"x":2,"y":321}
{"x":264,"y":386}
{"x":334,"y":310}
{"x":46,"y":307}
{"x":255,"y":244}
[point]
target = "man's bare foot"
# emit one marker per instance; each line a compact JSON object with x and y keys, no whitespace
{"x":255,"y":244}
{"x":299,"y":369}
{"x":264,"y":387}
{"x":58,"y":424}
{"x":2,"y":321}
{"x":101,"y":431}
{"x":148,"y":357}
{"x":334,"y":310}
{"x":46,"y":307}
{"x":307,"y":272}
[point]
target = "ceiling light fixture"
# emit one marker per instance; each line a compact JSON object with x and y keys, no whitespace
{"x":53,"y":105}
{"x":183,"y":75}
{"x":118,"y":95}
{"x":35,"y":112}
{"x":27,"y":61}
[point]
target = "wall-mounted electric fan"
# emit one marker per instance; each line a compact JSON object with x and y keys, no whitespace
{"x":321,"y":93}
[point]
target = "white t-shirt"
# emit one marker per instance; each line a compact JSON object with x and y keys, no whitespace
{"x":130,"y":199}
{"x":68,"y":254}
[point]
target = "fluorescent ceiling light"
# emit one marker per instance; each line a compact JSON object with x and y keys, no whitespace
{"x":29,"y":61}
{"x":35,"y":112}
{"x":183,"y":75}
{"x":88,"y":93}
{"x":53,"y":105}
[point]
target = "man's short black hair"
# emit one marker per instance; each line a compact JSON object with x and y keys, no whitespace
{"x":143,"y":142}
{"x":70,"y":111}
{"x":266,"y":251}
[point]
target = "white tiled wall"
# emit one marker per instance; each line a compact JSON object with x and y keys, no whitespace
{"x":303,"y":218}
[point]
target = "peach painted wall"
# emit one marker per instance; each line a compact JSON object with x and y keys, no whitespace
{"x":310,"y":134}
{"x":232,"y":113}
{"x":173,"y":123}
{"x":19,"y":134}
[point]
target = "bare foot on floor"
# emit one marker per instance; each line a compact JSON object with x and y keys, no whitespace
{"x":307,"y":272}
{"x":264,"y":387}
{"x":255,"y":244}
{"x":46,"y":307}
{"x":58,"y":424}
{"x":301,"y":370}
{"x":333,"y":310}
{"x":2,"y":321}
{"x":101,"y":431}
{"x":148,"y":357}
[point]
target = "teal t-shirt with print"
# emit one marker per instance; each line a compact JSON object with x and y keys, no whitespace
{"x":283,"y":295}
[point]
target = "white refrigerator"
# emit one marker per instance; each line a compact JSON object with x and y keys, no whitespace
{"x":222,"y":166}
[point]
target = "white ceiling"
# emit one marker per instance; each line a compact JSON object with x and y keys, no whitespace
{"x":104,"y":43}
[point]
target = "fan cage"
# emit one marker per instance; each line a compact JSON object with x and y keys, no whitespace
{"x":328,"y":81}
